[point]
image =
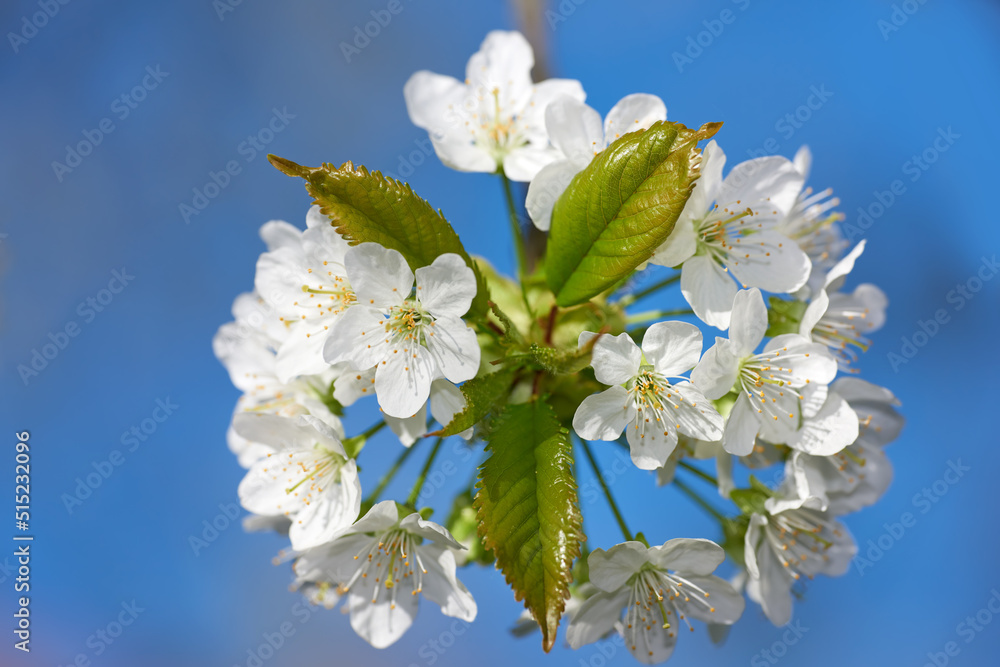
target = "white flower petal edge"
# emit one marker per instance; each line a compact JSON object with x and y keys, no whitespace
{"x":737,"y":237}
{"x":383,"y":564}
{"x":659,"y":588}
{"x":645,"y":398}
{"x":793,"y":539}
{"x":495,"y":119}
{"x":307,"y":478}
{"x":857,"y":477}
{"x":773,"y":385}
{"x":410,"y":338}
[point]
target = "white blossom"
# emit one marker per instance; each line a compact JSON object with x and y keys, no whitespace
{"x":495,"y":119}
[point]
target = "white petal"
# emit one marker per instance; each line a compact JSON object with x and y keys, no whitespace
{"x":832,"y":429}
{"x":770,"y":183}
{"x":430,"y":101}
{"x":403,"y":380}
{"x":261,"y":493}
{"x":806,"y":359}
{"x":330,"y":514}
{"x":441,"y":586}
{"x":545,"y":188}
{"x":352,"y":385}
{"x":651,"y":440}
{"x":596,"y":617}
{"x":651,"y":646}
{"x":302,"y":353}
{"x":408,"y":429}
{"x":380,"y":518}
{"x":726,"y":603}
{"x":357,"y":338}
{"x":383,"y":622}
{"x":453,"y":349}
{"x":616,"y":359}
{"x":447,"y":401}
{"x":504,"y":61}
{"x":708,"y":185}
{"x":458,"y":152}
{"x":605,"y":415}
{"x":803,"y":161}
{"x":741,"y":428}
{"x":748,"y":322}
{"x":696,"y":416}
{"x":523,"y":164}
{"x":814,"y":312}
{"x":835,"y":277}
{"x":544,"y":93}
{"x":414,"y":523}
{"x":672,"y":347}
{"x":716,"y":373}
{"x":775,"y":587}
{"x":446,"y":287}
{"x":278,"y":233}
{"x":784,"y":269}
{"x":334,"y":562}
{"x":688,"y":556}
{"x":574,"y":128}
{"x":633,"y":112}
{"x":611,"y":569}
{"x":680,"y":245}
{"x":380,"y":276}
{"x":709,"y":290}
{"x":750,"y":542}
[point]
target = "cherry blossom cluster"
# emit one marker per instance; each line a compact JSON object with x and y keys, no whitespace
{"x":332,"y":323}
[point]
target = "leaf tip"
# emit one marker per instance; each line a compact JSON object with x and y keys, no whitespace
{"x":288,"y":167}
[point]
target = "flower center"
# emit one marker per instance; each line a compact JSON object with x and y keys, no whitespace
{"x":651,"y":394}
{"x":656,"y":595}
{"x":498,"y":132}
{"x":839,"y":330}
{"x":765,"y":381}
{"x":322,"y":299}
{"x":390,"y":560}
{"x":810,"y":225}
{"x":406,"y":323}
{"x":308,"y":473}
{"x":800,"y":538}
{"x":726,"y":235}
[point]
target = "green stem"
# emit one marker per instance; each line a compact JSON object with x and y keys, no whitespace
{"x":607,"y":492}
{"x":699,"y":472}
{"x":632,"y":298}
{"x":353,"y":446}
{"x":415,"y":491}
{"x":515,"y":227}
{"x":387,"y":478}
{"x":648,"y":315}
{"x":696,"y":497}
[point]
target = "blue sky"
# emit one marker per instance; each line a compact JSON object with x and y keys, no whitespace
{"x":170,"y":93}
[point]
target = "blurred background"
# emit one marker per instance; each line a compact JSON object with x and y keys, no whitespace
{"x":168,"y":93}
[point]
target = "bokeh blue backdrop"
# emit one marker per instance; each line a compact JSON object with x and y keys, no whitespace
{"x":892,"y":83}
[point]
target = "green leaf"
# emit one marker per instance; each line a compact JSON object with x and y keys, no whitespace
{"x":784,"y":316}
{"x":367,"y":206}
{"x":481,"y":395}
{"x":528,"y":513}
{"x":511,"y":335}
{"x":760,"y":486}
{"x":621,"y":208}
{"x":750,"y":501}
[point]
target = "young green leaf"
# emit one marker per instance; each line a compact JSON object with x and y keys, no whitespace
{"x":481,"y":394}
{"x":621,"y":208}
{"x":367,"y":206}
{"x":528,"y":514}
